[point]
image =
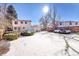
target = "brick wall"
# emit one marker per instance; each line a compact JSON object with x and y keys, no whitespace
{"x":75,"y":28}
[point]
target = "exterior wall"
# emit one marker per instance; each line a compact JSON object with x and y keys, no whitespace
{"x":71,"y":25}
{"x":36,"y":28}
{"x":67,"y":24}
{"x":74,"y":26}
{"x":21,"y":26}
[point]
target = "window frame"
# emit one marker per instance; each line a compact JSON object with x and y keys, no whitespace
{"x":21,"y":22}
{"x":15,"y":28}
{"x":70,"y":23}
{"x":25,"y":22}
{"x":76,"y":23}
{"x":23,"y":27}
{"x":16,"y":22}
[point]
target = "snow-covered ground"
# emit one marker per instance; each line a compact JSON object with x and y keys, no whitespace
{"x":42,"y":44}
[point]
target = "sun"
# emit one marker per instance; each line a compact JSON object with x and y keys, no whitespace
{"x":45,"y":9}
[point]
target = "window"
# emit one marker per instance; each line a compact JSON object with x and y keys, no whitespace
{"x":70,"y":23}
{"x":21,"y":22}
{"x":19,"y":28}
{"x":25,"y":22}
{"x":23,"y":27}
{"x":16,"y":22}
{"x":76,"y":23}
{"x":15,"y":28}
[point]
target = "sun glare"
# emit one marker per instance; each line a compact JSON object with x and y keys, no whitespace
{"x":45,"y":9}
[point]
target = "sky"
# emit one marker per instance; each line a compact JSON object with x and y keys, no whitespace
{"x":34,"y":11}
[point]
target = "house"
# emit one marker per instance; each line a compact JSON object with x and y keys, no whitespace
{"x":66,"y":25}
{"x":71,"y":25}
{"x":21,"y":25}
{"x":36,"y":28}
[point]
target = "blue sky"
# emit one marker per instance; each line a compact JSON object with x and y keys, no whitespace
{"x":33,"y":11}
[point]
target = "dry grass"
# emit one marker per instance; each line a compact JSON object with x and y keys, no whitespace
{"x":3,"y":50}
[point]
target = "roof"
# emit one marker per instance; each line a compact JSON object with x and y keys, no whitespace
{"x":23,"y":20}
{"x":35,"y":26}
{"x":68,"y":21}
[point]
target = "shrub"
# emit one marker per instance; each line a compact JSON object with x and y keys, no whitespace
{"x":10,"y":36}
{"x":27,"y":33}
{"x":17,"y":33}
{"x":13,"y":32}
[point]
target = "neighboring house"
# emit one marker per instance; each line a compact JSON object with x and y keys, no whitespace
{"x":36,"y":28}
{"x":21,"y":25}
{"x":68,"y":23}
{"x":71,"y":25}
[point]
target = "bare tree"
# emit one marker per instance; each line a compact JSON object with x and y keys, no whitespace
{"x":6,"y":23}
{"x":44,"y":22}
{"x":50,"y":16}
{"x":54,"y":17}
{"x":2,"y":16}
